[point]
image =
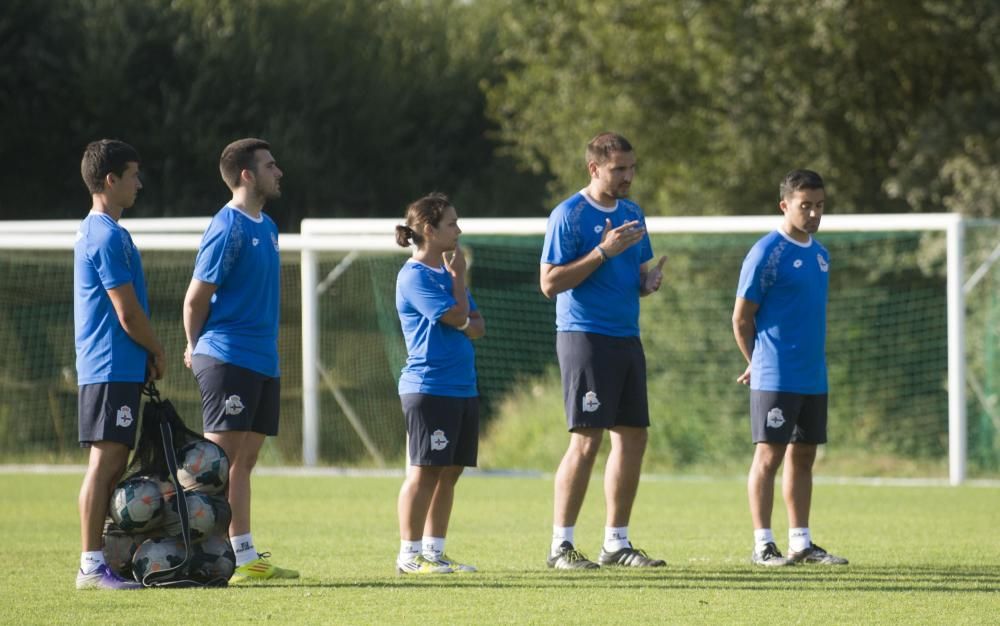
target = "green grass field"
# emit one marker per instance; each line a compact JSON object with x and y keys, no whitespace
{"x":919,"y":555}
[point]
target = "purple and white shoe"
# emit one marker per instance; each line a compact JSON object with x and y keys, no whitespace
{"x":104,"y":578}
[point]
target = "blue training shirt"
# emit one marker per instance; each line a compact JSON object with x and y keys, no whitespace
{"x":441,"y":360}
{"x":789,"y":280}
{"x":104,"y":258}
{"x":607,"y":301}
{"x":239,"y":254}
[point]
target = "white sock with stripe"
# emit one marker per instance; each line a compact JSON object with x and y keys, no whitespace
{"x":243,"y":547}
{"x":90,"y":561}
{"x":408,"y":550}
{"x":561,"y":534}
{"x":433,"y":548}
{"x":762,"y":537}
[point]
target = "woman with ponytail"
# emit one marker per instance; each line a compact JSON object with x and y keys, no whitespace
{"x":437,"y":387}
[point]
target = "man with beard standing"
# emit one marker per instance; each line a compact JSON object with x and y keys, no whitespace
{"x":596,"y":263}
{"x":231,"y":322}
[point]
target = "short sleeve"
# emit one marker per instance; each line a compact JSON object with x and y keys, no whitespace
{"x":751,"y":286}
{"x":220,"y":248}
{"x":430,"y":298}
{"x":112,"y":258}
{"x":561,"y":243}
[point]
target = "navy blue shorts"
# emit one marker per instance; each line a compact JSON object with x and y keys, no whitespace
{"x":785,"y":417}
{"x":109,"y":412}
{"x":236,"y":398}
{"x":603,"y":379}
{"x":442,"y":430}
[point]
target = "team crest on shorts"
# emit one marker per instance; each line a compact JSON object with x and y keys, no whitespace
{"x":775,"y":418}
{"x":234,"y":406}
{"x":124,"y":417}
{"x":590,"y":402}
{"x":438,"y":440}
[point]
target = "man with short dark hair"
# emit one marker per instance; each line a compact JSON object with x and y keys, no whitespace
{"x":596,"y":263}
{"x":116,"y":347}
{"x":231,"y":322}
{"x":779,"y":321}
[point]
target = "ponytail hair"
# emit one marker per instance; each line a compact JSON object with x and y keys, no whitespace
{"x":422,"y":212}
{"x":404,"y":235}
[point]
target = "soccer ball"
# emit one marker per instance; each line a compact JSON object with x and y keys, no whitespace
{"x":137,"y":505}
{"x":118,"y":550}
{"x":157,"y":554}
{"x":206,"y":515}
{"x":213,"y":559}
{"x":204,"y":467}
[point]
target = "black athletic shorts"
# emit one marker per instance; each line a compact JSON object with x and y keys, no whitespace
{"x":785,"y":417}
{"x":109,"y":412}
{"x":442,"y":430}
{"x":236,"y":398}
{"x":603,"y":379}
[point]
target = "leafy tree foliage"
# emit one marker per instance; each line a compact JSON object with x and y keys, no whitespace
{"x":894,"y":101}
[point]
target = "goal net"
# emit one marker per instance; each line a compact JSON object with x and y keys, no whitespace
{"x":887,"y":351}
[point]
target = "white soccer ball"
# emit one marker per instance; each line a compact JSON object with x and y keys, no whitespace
{"x":203,"y":466}
{"x":137,"y":505}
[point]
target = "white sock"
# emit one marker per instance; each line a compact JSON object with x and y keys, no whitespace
{"x":798,"y":539}
{"x":561,"y":534}
{"x":433,"y":548}
{"x":90,"y":561}
{"x":243,"y":547}
{"x":408,"y":550}
{"x":762,"y":537}
{"x":615,"y":538}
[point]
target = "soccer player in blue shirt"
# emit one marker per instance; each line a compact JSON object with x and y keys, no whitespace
{"x":779,"y":321}
{"x":596,"y":263}
{"x":231,"y":322}
{"x":116,"y":347}
{"x":437,"y":386}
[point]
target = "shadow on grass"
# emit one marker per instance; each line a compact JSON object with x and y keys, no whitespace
{"x":973,"y":580}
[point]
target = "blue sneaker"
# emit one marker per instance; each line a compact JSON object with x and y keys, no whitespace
{"x":104,"y":578}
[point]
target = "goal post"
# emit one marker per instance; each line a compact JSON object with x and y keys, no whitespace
{"x":952,"y":225}
{"x":341,"y":347}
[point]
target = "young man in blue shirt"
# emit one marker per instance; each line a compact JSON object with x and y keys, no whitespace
{"x":116,"y":347}
{"x":231,"y":322}
{"x":779,"y":322}
{"x":596,"y":264}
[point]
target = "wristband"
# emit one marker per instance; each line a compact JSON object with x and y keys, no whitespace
{"x":465,"y":325}
{"x":604,"y":255}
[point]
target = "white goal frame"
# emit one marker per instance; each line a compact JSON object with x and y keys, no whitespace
{"x":359,"y":235}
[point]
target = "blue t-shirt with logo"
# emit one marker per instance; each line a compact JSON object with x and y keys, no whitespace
{"x":239,"y":254}
{"x":789,"y":281}
{"x":104,"y":258}
{"x":441,"y":360}
{"x":607,"y":301}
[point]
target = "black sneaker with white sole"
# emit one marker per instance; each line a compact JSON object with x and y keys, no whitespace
{"x":628,"y":557}
{"x":817,"y":555}
{"x":568,"y":557}
{"x":770,"y":557}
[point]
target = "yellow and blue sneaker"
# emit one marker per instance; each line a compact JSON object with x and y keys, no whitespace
{"x":455,"y":566}
{"x":421,"y":565}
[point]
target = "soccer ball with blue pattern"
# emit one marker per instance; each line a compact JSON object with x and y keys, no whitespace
{"x":213,"y":559}
{"x":157,"y":555}
{"x":137,"y":505}
{"x":206,"y":515}
{"x":203,"y":467}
